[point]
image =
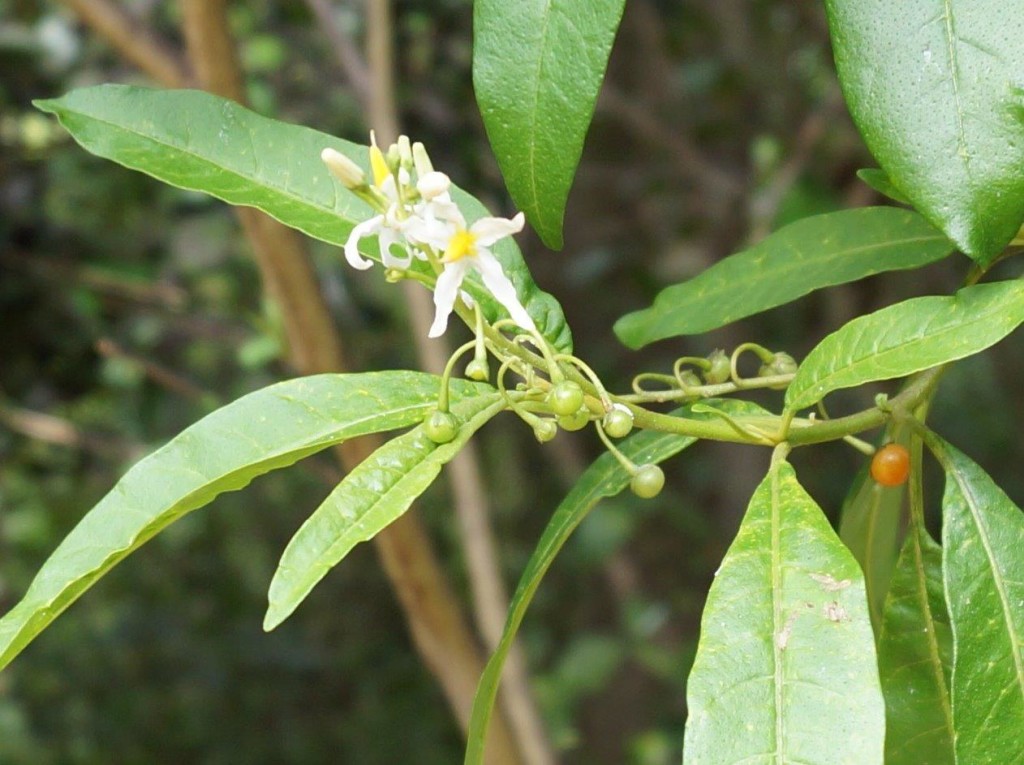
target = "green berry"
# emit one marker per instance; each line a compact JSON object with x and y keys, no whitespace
{"x":565,"y":398}
{"x":545,"y":430}
{"x":648,"y":481}
{"x":478,"y":370}
{"x":441,"y":427}
{"x":618,"y":422}
{"x":689,"y":379}
{"x":781,"y":364}
{"x":578,"y":420}
{"x":720,"y":370}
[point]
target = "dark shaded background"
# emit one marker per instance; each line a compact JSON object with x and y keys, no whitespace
{"x":129,"y":309}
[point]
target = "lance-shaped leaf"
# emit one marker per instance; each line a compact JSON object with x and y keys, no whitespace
{"x":371,"y":497}
{"x":983,"y":573}
{"x":915,"y":651}
{"x":260,"y":432}
{"x":820,"y":251}
{"x":785,"y":669}
{"x":198,"y":141}
{"x":879,"y":181}
{"x":934,"y":88}
{"x":908,"y":337}
{"x":870,"y":525}
{"x":537,"y":68}
{"x":606,"y":477}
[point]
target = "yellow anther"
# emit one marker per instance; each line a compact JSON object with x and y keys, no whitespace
{"x":377,"y":163}
{"x":459,"y":246}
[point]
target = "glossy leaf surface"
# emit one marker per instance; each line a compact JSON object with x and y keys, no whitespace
{"x":820,"y":251}
{"x":870,"y":524}
{"x":370,"y":497}
{"x":537,"y":69}
{"x":935,"y":89}
{"x":785,"y":668}
{"x":915,"y":653}
{"x":983,"y":572}
{"x":908,"y":337}
{"x":604,"y":478}
{"x":879,"y":181}
{"x":198,"y":141}
{"x":269,"y":429}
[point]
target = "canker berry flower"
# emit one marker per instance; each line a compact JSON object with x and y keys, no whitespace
{"x":388,"y":225}
{"x":442,"y":226}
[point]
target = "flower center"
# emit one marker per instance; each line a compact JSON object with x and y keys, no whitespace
{"x":463,"y":243}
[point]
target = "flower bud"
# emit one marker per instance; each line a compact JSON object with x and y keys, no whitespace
{"x":421,"y":159}
{"x":433,"y":184}
{"x":344,"y":169}
{"x":405,"y":152}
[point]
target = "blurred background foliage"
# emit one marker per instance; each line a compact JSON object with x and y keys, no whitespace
{"x":129,"y":309}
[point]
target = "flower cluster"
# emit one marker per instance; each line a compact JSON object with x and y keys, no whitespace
{"x":418,"y":219}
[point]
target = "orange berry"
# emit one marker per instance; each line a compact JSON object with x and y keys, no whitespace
{"x":891,"y":465}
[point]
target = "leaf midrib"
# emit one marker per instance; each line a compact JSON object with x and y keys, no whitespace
{"x":63,"y":110}
{"x":900,"y":350}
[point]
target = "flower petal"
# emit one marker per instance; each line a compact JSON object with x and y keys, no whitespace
{"x":366,"y":228}
{"x":388,"y":237}
{"x":502,"y":289}
{"x":445,"y":291}
{"x":490,"y":230}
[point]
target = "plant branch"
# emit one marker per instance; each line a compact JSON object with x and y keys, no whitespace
{"x":132,"y":40}
{"x":435,"y":618}
{"x":469,"y":494}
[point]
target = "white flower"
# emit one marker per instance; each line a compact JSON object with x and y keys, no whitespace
{"x":386,"y":226}
{"x":443,"y":227}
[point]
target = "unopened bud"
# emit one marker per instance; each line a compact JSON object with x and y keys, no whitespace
{"x":421,"y":159}
{"x":343,"y":168}
{"x":405,"y":152}
{"x":433,"y":184}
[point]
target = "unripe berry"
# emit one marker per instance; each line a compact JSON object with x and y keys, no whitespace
{"x":618,"y":422}
{"x":781,"y":364}
{"x":441,"y":427}
{"x":545,"y":430}
{"x":720,"y":370}
{"x":578,"y":420}
{"x":565,"y":398}
{"x":648,"y":481}
{"x":689,"y":379}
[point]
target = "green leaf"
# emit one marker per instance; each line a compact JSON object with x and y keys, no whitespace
{"x":879,"y":181}
{"x":537,"y":69}
{"x":908,"y":337}
{"x":934,"y":88}
{"x":372,"y":496}
{"x":870,"y":525}
{"x":785,"y":668}
{"x":914,"y":658}
{"x":983,"y":571}
{"x":604,"y":478}
{"x":198,"y":141}
{"x":820,"y":251}
{"x":269,"y":429}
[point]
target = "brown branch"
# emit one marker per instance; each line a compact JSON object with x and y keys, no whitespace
{"x":435,"y":617}
{"x":689,"y":160}
{"x":50,"y":429}
{"x":490,"y":599}
{"x":133,"y":41}
{"x":345,"y":50}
